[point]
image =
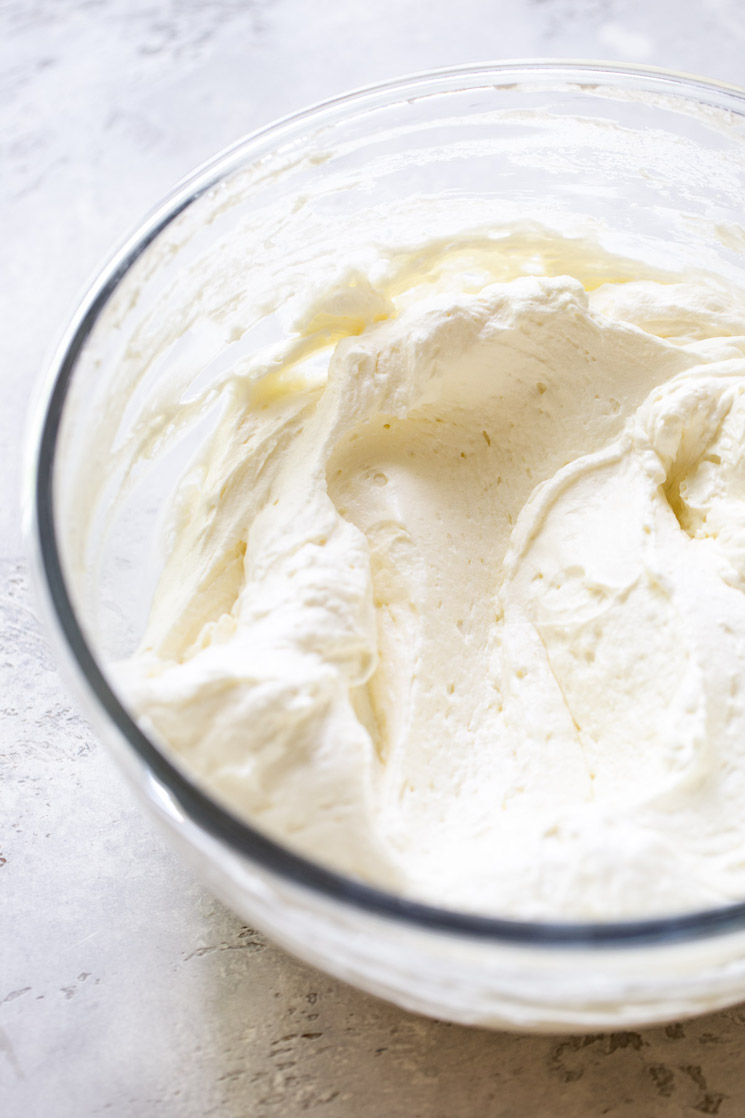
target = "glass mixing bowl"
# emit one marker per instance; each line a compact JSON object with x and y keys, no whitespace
{"x":652,"y":163}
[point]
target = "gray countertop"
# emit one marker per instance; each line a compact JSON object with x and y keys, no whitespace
{"x":125,"y":989}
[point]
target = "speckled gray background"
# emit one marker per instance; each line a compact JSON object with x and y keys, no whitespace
{"x":125,"y":990}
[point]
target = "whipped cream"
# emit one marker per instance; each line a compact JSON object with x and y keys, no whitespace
{"x":453,"y":596}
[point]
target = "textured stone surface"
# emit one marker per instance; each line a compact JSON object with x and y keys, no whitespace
{"x":125,"y":990}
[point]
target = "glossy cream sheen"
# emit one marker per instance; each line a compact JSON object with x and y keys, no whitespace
{"x":454,"y":597}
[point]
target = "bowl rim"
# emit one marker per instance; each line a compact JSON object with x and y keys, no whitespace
{"x":42,"y":540}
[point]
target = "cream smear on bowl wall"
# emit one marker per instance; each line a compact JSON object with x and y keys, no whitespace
{"x":401,"y":488}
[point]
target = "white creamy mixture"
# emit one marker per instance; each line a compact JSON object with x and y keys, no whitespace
{"x":454,"y":596}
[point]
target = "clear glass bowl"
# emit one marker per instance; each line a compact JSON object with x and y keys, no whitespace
{"x":653,"y":163}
